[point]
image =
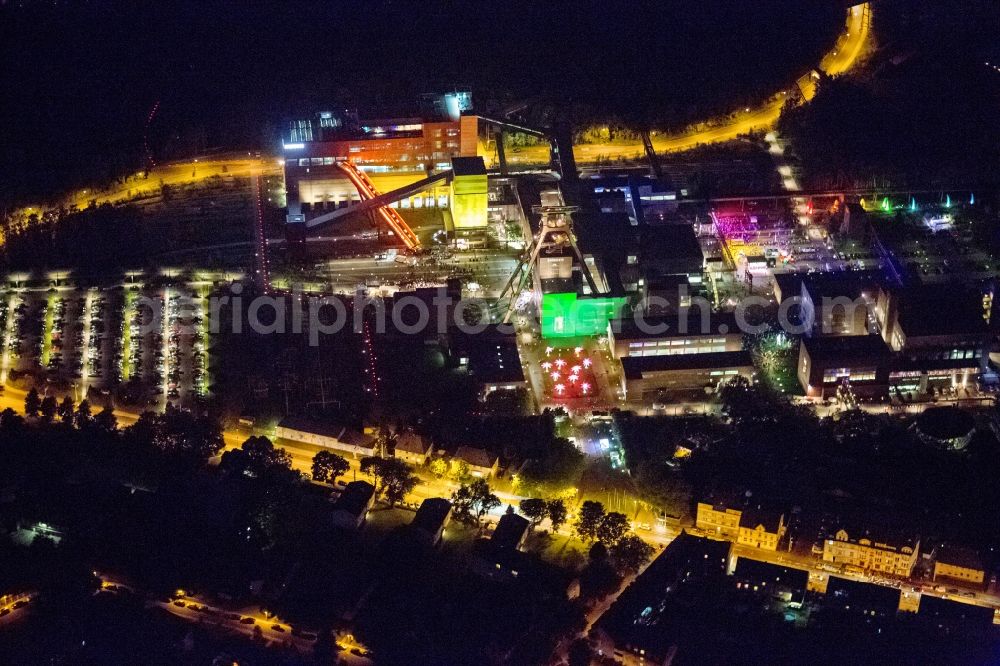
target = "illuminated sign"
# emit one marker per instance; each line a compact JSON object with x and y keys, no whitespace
{"x":293,"y":146}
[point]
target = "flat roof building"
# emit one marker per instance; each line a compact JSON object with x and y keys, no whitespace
{"x":688,"y":332}
{"x":431,"y":518}
{"x":865,"y":599}
{"x":491,"y":357}
{"x":645,"y":377}
{"x":639,"y":628}
{"x":826,"y":362}
{"x":352,"y":507}
{"x":772,"y":580}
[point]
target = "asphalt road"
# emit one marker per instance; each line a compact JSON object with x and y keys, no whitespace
{"x":845,"y":55}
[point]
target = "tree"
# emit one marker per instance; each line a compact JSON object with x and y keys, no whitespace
{"x":48,"y":408}
{"x":535,"y":509}
{"x":558,"y":468}
{"x":32,"y":403}
{"x":393,"y":477}
{"x":106,"y":419}
{"x":327,"y":466}
{"x":557,"y":513}
{"x":439,"y":467}
{"x":662,"y":486}
{"x":630,"y":553}
{"x":612,"y":528}
{"x":591,"y":516}
{"x":473,"y":501}
{"x":178,"y":432}
{"x":459,"y":470}
{"x":66,"y":410}
{"x":256,"y":457}
{"x":83,"y":417}
{"x":399,"y":485}
{"x":385,"y":443}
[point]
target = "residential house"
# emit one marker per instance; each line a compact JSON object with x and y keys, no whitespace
{"x":753,"y":526}
{"x":431,"y":519}
{"x":352,"y":507}
{"x":327,"y":435}
{"x":511,"y":532}
{"x":481,"y":463}
{"x":412,"y":448}
{"x":893,"y":555}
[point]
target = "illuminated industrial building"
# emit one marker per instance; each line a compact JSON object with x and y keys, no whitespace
{"x":551,"y":263}
{"x":393,"y":153}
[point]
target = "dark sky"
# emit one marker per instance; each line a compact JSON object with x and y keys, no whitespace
{"x":79,"y":78}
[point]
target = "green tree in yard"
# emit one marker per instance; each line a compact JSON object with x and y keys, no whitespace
{"x":559,"y":468}
{"x":393,"y":477}
{"x":591,"y":517}
{"x":557,"y":513}
{"x":66,"y":410}
{"x":399,"y":484}
{"x":535,"y":510}
{"x":83,"y":417}
{"x":630,"y":553}
{"x":473,"y":501}
{"x":327,"y":466}
{"x":459,"y":470}
{"x":662,"y":486}
{"x":48,"y":408}
{"x":439,"y":467}
{"x":612,"y":528}
{"x":32,"y":403}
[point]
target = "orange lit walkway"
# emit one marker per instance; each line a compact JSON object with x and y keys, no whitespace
{"x":367,"y":191}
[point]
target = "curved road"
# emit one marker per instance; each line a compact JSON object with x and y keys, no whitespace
{"x":847,"y":52}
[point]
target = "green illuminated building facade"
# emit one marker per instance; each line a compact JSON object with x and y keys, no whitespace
{"x":566,"y":315}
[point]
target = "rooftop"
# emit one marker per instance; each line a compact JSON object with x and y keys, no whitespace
{"x":963,"y":614}
{"x":492,"y":355}
{"x":884,"y":539}
{"x":641,"y":616}
{"x":509,"y":532}
{"x":944,"y":309}
{"x":431,"y":515}
{"x":637,"y":367}
{"x":862,"y":596}
{"x":847,"y":348}
{"x":411,"y":442}
{"x":475,"y":457}
{"x":840,"y":285}
{"x":755,"y":515}
{"x":303,"y":424}
{"x":468,"y":166}
{"x":355,"y":498}
{"x":689,"y":324}
{"x":772,"y":574}
{"x":672,"y":241}
{"x":959,"y":556}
